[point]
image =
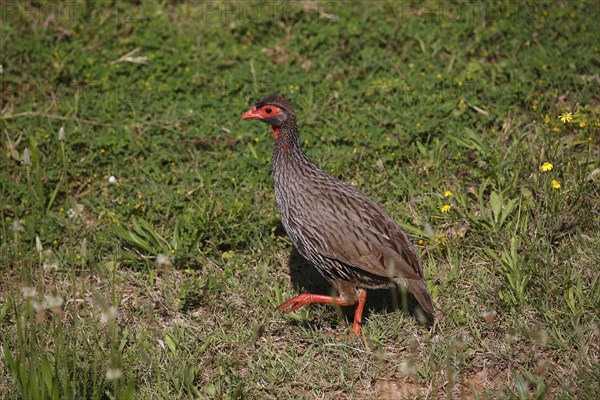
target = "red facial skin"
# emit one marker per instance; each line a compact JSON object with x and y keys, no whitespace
{"x":263,"y":113}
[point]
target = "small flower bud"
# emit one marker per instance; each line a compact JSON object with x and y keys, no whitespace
{"x":61,"y":134}
{"x":26,"y":157}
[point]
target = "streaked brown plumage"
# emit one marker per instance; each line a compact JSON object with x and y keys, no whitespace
{"x":353,"y":243}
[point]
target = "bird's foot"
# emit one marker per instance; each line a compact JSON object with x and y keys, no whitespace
{"x":307,"y":298}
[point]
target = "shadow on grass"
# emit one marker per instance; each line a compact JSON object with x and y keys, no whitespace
{"x":306,"y":279}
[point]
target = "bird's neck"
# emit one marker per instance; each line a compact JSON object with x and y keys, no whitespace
{"x":289,"y":161}
{"x":287,"y":141}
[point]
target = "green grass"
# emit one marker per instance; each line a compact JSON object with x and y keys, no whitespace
{"x":406,"y":101}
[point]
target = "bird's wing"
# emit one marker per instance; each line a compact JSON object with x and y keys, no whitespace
{"x":366,"y":248}
{"x":357,"y":232}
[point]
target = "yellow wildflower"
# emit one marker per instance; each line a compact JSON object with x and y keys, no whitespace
{"x":555,"y":184}
{"x":534,"y":105}
{"x":582,"y":124}
{"x":546,"y":167}
{"x":446,"y":208}
{"x":448,"y":193}
{"x":566,"y":117}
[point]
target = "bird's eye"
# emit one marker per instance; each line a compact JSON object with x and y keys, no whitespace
{"x":268,"y":110}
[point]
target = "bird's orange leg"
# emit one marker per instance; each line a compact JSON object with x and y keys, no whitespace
{"x":362,"y":298}
{"x":307,"y":298}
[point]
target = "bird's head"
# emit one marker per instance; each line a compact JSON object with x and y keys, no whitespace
{"x":274,"y":110}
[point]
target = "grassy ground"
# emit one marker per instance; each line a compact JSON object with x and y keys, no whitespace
{"x":163,"y":283}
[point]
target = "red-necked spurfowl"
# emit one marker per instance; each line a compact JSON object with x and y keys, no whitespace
{"x":353,"y":243}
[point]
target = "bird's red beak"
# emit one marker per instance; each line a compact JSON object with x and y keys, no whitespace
{"x":251,"y":114}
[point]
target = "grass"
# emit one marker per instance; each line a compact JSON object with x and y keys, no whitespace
{"x":164,"y":283}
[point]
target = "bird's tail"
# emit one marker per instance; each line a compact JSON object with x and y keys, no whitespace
{"x":419,"y":289}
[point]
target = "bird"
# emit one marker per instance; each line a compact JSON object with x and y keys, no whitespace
{"x":350,"y":240}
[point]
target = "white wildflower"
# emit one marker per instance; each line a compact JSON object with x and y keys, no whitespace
{"x":50,"y":265}
{"x":37,"y":305}
{"x":53,"y":301}
{"x":112,"y":374}
{"x":28,"y":291}
{"x":16,"y":226}
{"x":108,"y":315}
{"x":163,"y":259}
{"x":112,"y":180}
{"x":75,"y":212}
{"x":50,"y":261}
{"x":61,"y":134}
{"x":407,"y":368}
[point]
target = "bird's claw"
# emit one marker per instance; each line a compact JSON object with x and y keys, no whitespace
{"x":295,"y":303}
